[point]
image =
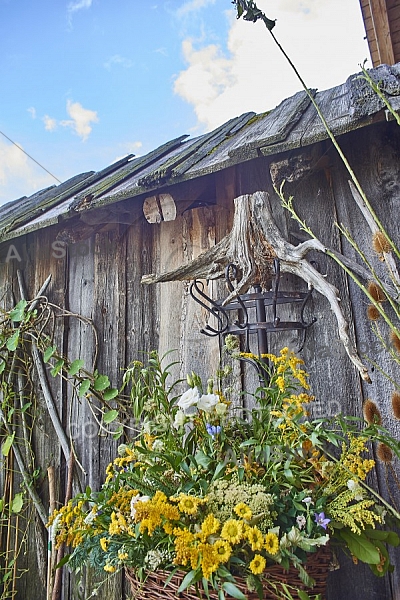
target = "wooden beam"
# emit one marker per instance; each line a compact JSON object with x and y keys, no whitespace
{"x":382,"y":34}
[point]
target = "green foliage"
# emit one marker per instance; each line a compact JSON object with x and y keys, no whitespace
{"x":249,"y":11}
{"x":195,"y":469}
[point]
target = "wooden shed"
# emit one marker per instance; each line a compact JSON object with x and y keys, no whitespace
{"x":98,"y":234}
{"x":382,"y":27}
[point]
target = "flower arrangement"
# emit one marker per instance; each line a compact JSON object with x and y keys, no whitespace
{"x":220,"y":493}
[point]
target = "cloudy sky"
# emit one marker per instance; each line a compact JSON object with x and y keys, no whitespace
{"x":85,"y":82}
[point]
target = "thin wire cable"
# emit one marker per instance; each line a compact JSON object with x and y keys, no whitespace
{"x":31,"y":157}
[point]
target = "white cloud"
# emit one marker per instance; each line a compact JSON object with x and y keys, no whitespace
{"x":50,"y":124}
{"x":252,"y":75}
{"x":74,"y":7}
{"x":309,"y":8}
{"x":117,"y":59}
{"x":32,"y":111}
{"x":192,"y":5}
{"x":81,"y":119}
{"x":78,"y":5}
{"x":19,"y":176}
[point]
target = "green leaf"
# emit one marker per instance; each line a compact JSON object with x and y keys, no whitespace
{"x":110,"y":416}
{"x":57,"y":367}
{"x":232,"y":590}
{"x":110,"y":394}
{"x":17,"y":313}
{"x":12,"y":342}
{"x":48,"y":353}
{"x":17,"y":503}
{"x":361,"y":547}
{"x":1,"y":504}
{"x":219,"y":470}
{"x":75,"y":367}
{"x":7,"y":444}
{"x":187,"y":581}
{"x":202,"y":459}
{"x":305,"y":577}
{"x":303,"y":595}
{"x":83,"y":388}
{"x":384,"y":566}
{"x":118,"y":432}
{"x":101,"y":383}
{"x":390,"y":537}
{"x":63,"y":561}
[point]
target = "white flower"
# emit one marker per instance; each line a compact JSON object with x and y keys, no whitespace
{"x":54,"y":528}
{"x":207,"y":402}
{"x":221,"y":408}
{"x":90,"y":517}
{"x":189,"y":398}
{"x":301,"y":521}
{"x":135,"y":500}
{"x":122,"y":449}
{"x":158,"y":445}
{"x":308,"y":500}
{"x":355,"y":487}
{"x":180,"y":419}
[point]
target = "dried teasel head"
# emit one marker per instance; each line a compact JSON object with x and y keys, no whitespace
{"x":396,"y":404}
{"x":376,"y":292}
{"x":371,"y":413}
{"x":384,"y":453}
{"x":380,"y":243}
{"x":395,"y":339}
{"x":373,"y":313}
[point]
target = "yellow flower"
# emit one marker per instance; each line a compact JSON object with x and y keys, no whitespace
{"x":232,"y":531}
{"x":104,"y":544}
{"x":188,"y":504}
{"x":209,"y":526}
{"x":209,"y":559}
{"x":257,"y":565}
{"x":280,"y":382}
{"x":271,"y":543}
{"x":122,"y":555}
{"x":243,"y":511}
{"x":223,"y":550}
{"x":109,"y":568}
{"x":255,"y":538}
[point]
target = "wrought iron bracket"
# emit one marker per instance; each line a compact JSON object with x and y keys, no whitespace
{"x":255,"y":299}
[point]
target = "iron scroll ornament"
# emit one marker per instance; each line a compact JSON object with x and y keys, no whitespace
{"x":255,"y":299}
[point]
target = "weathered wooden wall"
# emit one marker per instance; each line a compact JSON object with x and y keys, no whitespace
{"x":99,"y":278}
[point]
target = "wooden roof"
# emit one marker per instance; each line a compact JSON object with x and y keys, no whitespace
{"x":292,"y":124}
{"x":382,"y":26}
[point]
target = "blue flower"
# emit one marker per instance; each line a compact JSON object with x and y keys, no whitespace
{"x":321,"y":520}
{"x":213,"y":430}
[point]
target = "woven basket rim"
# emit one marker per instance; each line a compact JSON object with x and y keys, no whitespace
{"x":154,"y":587}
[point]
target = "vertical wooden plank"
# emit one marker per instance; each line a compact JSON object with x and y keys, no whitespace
{"x":378,"y":148}
{"x":199,"y":352}
{"x":142,"y":307}
{"x":80,"y":344}
{"x":170,"y":246}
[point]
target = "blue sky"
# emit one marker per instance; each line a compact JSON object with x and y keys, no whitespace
{"x":85,"y":82}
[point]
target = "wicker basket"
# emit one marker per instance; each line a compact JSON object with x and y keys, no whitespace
{"x":154,"y":587}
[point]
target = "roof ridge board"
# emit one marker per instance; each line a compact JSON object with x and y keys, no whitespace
{"x":363,"y":100}
{"x":300,"y":103}
{"x":212,"y":144}
{"x":134,"y":165}
{"x":167,"y":169}
{"x":27,"y":211}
